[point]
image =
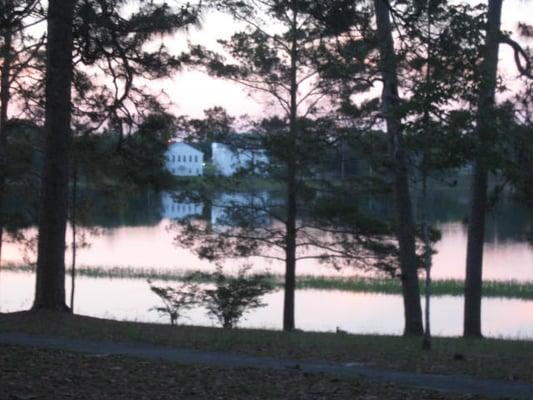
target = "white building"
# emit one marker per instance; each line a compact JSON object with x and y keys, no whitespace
{"x":228,"y":161}
{"x":182,"y":159}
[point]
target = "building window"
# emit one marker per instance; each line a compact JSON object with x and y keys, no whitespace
{"x":195,"y":158}
{"x":179,"y":158}
{"x":173,"y":158}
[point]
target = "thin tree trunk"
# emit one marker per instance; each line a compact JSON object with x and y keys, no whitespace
{"x":73,"y":205}
{"x":4,"y":104}
{"x":290,"y":234}
{"x":403,"y":207}
{"x":426,"y":343}
{"x":426,"y":164}
{"x":343,"y":159}
{"x":50,"y":281}
{"x":478,"y":206}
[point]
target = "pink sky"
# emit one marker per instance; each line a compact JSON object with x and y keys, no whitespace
{"x":191,"y":92}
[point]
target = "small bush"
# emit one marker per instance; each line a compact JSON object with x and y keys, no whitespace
{"x":235,"y":295}
{"x":176,"y":300}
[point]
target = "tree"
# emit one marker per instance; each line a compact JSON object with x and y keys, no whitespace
{"x":18,"y":51}
{"x":404,"y":215}
{"x":285,"y":64}
{"x":520,"y":169}
{"x":478,"y":206}
{"x":486,"y":121}
{"x":114,"y":45}
{"x":50,"y":281}
{"x":434,"y":105}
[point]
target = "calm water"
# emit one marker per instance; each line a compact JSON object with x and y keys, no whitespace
{"x":507,"y":256}
{"x":154,"y":247}
{"x":315,"y":310}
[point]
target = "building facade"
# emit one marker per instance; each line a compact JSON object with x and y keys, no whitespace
{"x":228,"y":161}
{"x":182,"y":159}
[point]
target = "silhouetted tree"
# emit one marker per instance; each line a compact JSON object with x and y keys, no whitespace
{"x":286,"y":64}
{"x":18,"y":53}
{"x":404,"y":215}
{"x":106,"y":40}
{"x":50,"y":282}
{"x":485,"y":131}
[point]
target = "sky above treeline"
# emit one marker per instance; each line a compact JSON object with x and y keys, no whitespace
{"x":191,"y":91}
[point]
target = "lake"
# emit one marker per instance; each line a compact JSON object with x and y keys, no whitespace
{"x":507,"y":257}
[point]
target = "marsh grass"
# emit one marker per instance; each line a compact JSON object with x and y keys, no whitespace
{"x":446,"y":287}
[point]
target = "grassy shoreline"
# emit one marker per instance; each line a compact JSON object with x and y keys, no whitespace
{"x":446,"y":287}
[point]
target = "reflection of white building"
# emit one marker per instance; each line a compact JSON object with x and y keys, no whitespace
{"x":228,"y":161}
{"x":173,"y":209}
{"x":252,"y":207}
{"x":182,"y":159}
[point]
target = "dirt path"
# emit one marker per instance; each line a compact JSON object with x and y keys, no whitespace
{"x":444,"y":383}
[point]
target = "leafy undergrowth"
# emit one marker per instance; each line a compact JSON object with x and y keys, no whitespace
{"x":27,"y":373}
{"x":488,"y":358}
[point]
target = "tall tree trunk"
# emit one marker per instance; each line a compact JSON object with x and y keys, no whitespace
{"x":426,"y":165}
{"x":50,"y":282}
{"x":290,"y":234}
{"x":478,"y":206}
{"x":7,"y":51}
{"x":426,"y":343}
{"x":403,"y":207}
{"x":73,"y":215}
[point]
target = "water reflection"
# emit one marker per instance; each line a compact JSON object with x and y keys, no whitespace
{"x":228,"y":208}
{"x":153,"y":247}
{"x":502,"y":260}
{"x":174,"y":208}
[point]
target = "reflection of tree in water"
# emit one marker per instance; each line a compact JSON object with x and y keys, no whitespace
{"x":250,"y":223}
{"x":117,"y":208}
{"x":507,"y":221}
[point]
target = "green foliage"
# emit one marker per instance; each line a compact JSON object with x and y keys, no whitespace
{"x":118,"y":168}
{"x":227,"y":302}
{"x":215,"y":126}
{"x":111,"y":41}
{"x":288,"y":53}
{"x":23,"y":181}
{"x":140,"y":158}
{"x":233,"y":296}
{"x":176,"y":300}
{"x":519,"y":133}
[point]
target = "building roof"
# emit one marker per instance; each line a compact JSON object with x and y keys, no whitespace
{"x":185,"y":146}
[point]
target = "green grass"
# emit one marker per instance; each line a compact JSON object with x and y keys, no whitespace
{"x":448,"y":287}
{"x":490,"y":358}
